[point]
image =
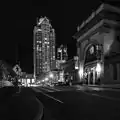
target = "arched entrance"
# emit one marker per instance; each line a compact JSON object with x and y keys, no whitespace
{"x":93,"y":64}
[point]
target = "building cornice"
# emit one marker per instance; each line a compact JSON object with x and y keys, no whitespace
{"x":94,"y":14}
{"x":111,"y":22}
{"x":90,"y":30}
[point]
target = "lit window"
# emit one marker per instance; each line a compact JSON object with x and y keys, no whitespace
{"x":38,"y":41}
{"x":28,"y":81}
{"x":45,"y":38}
{"x":59,"y":50}
{"x":98,"y":68}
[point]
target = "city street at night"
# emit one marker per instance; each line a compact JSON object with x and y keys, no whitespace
{"x":83,"y":103}
{"x":60,"y":60}
{"x":60,"y":103}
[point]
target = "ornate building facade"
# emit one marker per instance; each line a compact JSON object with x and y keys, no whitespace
{"x":98,"y":46}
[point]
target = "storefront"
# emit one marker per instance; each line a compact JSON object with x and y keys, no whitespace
{"x":92,"y":73}
{"x":93,"y":64}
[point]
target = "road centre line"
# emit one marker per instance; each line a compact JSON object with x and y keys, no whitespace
{"x":52,"y":97}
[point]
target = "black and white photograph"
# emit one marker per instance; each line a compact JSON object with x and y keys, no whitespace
{"x":60,"y":60}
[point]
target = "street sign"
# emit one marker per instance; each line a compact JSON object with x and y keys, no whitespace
{"x":17,"y":69}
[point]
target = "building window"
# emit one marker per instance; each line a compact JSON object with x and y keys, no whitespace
{"x":93,"y":53}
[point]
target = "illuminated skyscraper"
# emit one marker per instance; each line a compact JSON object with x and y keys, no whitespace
{"x":44,"y":46}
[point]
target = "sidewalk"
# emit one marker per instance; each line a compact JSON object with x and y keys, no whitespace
{"x":111,"y":92}
{"x":98,"y":87}
{"x":114,"y":86}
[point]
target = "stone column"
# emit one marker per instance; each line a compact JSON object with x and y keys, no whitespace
{"x":94,"y":77}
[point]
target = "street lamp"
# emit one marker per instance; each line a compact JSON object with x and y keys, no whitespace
{"x":51,"y":75}
{"x":46,"y":79}
{"x":81,"y":72}
{"x":98,"y":68}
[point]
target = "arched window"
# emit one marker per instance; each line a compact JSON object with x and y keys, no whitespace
{"x":93,"y":53}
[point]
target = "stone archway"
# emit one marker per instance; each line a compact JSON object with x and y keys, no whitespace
{"x":90,"y":61}
{"x":90,"y":43}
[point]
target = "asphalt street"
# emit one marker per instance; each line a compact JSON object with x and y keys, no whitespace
{"x":60,"y":103}
{"x":19,"y":106}
{"x":79,"y":102}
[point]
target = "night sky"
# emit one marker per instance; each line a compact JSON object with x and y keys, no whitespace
{"x":19,"y":18}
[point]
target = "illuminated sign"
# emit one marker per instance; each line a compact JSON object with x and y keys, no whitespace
{"x":17,"y":69}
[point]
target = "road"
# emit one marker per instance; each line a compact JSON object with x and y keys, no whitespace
{"x":19,"y":106}
{"x":79,"y":102}
{"x":61,"y":103}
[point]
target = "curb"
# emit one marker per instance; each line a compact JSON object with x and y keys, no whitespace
{"x":41,"y":111}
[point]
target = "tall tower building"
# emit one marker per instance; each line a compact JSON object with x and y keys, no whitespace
{"x":62,"y":53}
{"x":44,"y":46}
{"x":52,"y":48}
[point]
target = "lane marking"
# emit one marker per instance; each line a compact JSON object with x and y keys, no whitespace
{"x":52,"y":98}
{"x":48,"y":95}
